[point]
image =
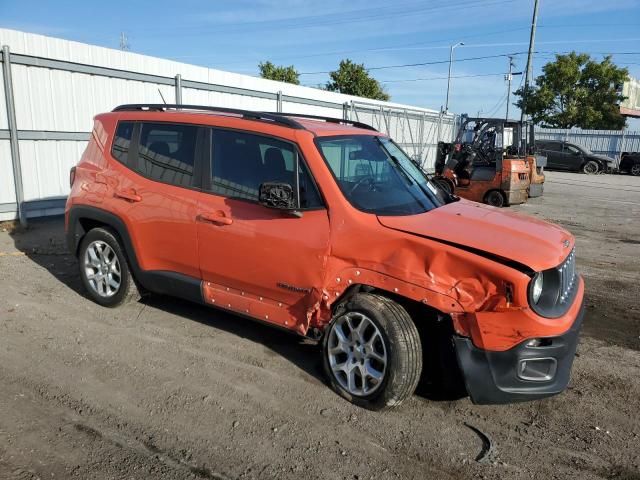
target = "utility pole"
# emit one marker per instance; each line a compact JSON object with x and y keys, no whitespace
{"x":124,"y":42}
{"x":509,"y":78}
{"x":528,"y":74}
{"x":446,"y":104}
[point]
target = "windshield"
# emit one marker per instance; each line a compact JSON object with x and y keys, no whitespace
{"x":377,"y":177}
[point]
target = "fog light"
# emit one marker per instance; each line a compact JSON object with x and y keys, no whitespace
{"x":537,"y":369}
{"x":538,"y":342}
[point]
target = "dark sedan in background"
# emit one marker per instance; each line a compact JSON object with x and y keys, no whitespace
{"x":569,"y":156}
{"x":630,"y":163}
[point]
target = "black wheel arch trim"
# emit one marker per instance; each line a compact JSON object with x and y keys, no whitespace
{"x":157,"y":281}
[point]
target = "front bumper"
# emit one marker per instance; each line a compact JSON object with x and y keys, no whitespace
{"x":497,"y":376}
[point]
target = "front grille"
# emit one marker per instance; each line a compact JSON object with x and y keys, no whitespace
{"x":567,"y":272}
{"x":523,"y":176}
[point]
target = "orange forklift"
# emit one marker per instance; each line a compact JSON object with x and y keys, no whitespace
{"x":485,"y":163}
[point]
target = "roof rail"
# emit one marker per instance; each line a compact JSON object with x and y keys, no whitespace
{"x":247,"y":114}
{"x":326,"y":119}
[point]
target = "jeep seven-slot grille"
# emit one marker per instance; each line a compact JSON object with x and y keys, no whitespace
{"x":567,"y":272}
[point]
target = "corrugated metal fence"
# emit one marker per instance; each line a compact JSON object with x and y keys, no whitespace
{"x":52,"y":88}
{"x":606,"y":142}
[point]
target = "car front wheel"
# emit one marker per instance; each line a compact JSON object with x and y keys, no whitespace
{"x":591,"y":167}
{"x":635,"y":169}
{"x":372,"y":354}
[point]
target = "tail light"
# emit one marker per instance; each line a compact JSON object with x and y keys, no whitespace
{"x":72,"y":176}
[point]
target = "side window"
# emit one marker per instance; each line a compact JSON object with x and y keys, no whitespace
{"x":167,"y":152}
{"x":553,"y":147}
{"x":122,"y":141}
{"x":241,"y":162}
{"x":571,"y":149}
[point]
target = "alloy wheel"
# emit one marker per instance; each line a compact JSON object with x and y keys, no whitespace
{"x":357,"y":354}
{"x":102,"y":269}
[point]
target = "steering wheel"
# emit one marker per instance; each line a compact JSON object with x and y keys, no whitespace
{"x":361,"y":182}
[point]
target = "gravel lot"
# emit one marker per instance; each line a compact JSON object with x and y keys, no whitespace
{"x":168,"y":390}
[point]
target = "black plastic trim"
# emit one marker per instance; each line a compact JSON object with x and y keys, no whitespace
{"x":278,"y":119}
{"x":492,"y":378}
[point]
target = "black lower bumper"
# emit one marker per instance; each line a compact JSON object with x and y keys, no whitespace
{"x":522,"y":373}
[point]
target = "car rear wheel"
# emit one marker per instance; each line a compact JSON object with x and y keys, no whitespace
{"x":495,"y":198}
{"x":591,"y":167}
{"x":372,"y":354}
{"x":635,"y":169}
{"x":104,"y":269}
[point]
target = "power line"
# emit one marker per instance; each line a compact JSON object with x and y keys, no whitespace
{"x":444,"y":78}
{"x":437,"y":62}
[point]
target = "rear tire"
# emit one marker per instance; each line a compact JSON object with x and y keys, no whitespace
{"x":591,"y":167}
{"x":635,"y":170}
{"x":104,"y":269}
{"x":495,"y":198}
{"x":371,"y":352}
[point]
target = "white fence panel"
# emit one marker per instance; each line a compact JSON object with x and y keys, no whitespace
{"x":7,"y":191}
{"x":46,"y":165}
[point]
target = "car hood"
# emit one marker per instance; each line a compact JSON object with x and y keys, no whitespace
{"x":603,"y":158}
{"x":482,"y":229}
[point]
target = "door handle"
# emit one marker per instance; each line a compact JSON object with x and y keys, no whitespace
{"x":217,"y":217}
{"x":130,"y":196}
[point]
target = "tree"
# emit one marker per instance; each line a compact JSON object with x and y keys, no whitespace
{"x":279,"y":73}
{"x":353,"y":79}
{"x":575,"y":90}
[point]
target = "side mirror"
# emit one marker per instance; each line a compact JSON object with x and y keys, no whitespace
{"x":277,"y":195}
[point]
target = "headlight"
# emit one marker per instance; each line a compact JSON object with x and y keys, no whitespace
{"x":538,"y":283}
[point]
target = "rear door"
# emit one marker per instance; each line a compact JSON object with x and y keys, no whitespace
{"x":553,"y":152}
{"x":154,"y":189}
{"x":252,"y":255}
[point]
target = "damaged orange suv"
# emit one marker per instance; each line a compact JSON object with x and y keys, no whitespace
{"x":326,"y":228}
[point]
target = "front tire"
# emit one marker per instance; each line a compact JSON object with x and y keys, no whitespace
{"x":104,"y":269}
{"x":371,"y":352}
{"x":635,"y":170}
{"x":591,"y":167}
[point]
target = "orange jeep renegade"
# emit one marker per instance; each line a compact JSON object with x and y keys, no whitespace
{"x":326,"y":228}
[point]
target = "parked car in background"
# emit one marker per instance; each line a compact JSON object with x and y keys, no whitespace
{"x":630,"y":163}
{"x":326,"y":228}
{"x":563,"y":155}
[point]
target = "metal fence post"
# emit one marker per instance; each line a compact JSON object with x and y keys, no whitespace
{"x":13,"y":133}
{"x":178,"y":89}
{"x":279,"y":101}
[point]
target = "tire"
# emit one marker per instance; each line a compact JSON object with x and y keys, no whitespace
{"x":495,"y":198}
{"x":443,"y":184}
{"x":387,"y":331}
{"x":591,"y":167}
{"x":104,"y":269}
{"x":635,"y":170}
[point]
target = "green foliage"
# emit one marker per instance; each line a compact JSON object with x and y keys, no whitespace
{"x":278,"y":72}
{"x":576,"y":91}
{"x":353,"y":79}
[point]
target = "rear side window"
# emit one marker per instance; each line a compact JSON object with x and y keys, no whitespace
{"x":122,"y":141}
{"x":166,"y":152}
{"x":554,"y":147}
{"x":241,"y":162}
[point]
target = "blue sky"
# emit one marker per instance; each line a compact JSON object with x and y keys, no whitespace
{"x":314,"y":36}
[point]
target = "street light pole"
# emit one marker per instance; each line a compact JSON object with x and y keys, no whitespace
{"x":446,"y":105}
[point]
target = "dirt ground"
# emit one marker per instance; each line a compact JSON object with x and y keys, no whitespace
{"x":168,"y":390}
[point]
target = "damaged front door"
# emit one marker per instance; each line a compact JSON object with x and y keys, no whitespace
{"x":260,"y":261}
